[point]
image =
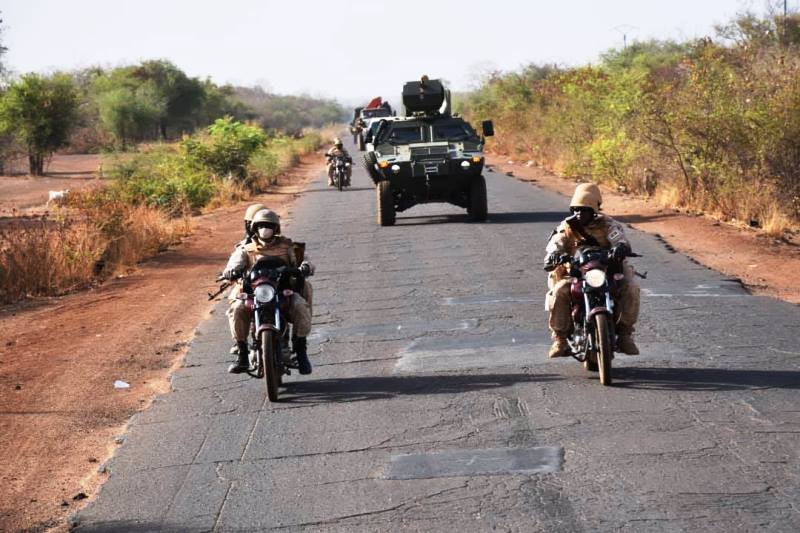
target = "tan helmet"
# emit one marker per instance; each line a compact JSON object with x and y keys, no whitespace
{"x":337,"y":141}
{"x":587,"y":195}
{"x":252,"y":210}
{"x":266,"y":217}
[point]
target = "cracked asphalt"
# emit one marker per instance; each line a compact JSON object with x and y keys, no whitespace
{"x":433,"y":407}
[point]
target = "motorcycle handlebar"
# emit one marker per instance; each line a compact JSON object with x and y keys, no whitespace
{"x":564,"y":259}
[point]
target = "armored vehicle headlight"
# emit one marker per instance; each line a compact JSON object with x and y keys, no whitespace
{"x":595,"y":278}
{"x":383,"y":164}
{"x":396,"y":169}
{"x":465,"y":164}
{"x":264,"y":293}
{"x":476,"y":159}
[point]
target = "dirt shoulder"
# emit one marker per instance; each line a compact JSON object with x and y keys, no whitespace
{"x":60,"y":357}
{"x":766,"y":266}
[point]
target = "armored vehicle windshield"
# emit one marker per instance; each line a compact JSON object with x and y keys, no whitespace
{"x":417,"y":131}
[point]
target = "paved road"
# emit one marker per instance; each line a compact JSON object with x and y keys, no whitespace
{"x":433,"y":407}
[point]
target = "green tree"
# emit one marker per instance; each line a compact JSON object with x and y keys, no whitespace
{"x":130,"y":113}
{"x":40,"y":112}
{"x":183,"y":96}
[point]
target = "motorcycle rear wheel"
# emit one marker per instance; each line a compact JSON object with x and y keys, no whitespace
{"x":602,"y":333}
{"x":272,"y":377}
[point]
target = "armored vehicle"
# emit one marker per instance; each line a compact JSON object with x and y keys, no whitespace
{"x":428,"y":155}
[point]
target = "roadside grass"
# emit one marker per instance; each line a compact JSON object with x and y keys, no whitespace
{"x":45,"y":257}
{"x":146,"y":207}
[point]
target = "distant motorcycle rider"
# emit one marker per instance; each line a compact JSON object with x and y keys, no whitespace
{"x":587,"y":221}
{"x":267,"y":241}
{"x":337,"y":150}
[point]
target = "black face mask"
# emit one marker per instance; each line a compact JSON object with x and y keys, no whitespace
{"x":585,"y":214}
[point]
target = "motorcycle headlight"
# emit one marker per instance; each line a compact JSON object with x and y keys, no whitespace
{"x":396,"y":169}
{"x":595,"y":278}
{"x":465,"y":164}
{"x":264,"y":293}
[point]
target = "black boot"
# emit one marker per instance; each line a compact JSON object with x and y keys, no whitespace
{"x":301,"y":349}
{"x":243,"y":364}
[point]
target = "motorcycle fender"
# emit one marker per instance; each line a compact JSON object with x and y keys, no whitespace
{"x":264,"y":328}
{"x":597,"y":311}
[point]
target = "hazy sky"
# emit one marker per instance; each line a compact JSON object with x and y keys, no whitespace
{"x":347,"y":49}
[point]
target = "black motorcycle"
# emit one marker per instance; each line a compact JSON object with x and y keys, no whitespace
{"x":267,"y":290}
{"x":341,"y":165}
{"x":596,"y":276}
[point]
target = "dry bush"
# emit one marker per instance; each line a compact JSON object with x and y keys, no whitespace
{"x":146,"y":231}
{"x":228,"y":192}
{"x":45,"y":257}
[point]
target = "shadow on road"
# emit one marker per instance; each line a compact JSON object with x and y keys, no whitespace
{"x":432,"y":219}
{"x":525,"y":217}
{"x":512,"y":217}
{"x":705,"y":379}
{"x":386,"y":387}
{"x":334,"y":189}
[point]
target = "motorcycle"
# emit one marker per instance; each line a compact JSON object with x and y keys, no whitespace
{"x":595,"y":279}
{"x":267,"y":290}
{"x":340,"y":167}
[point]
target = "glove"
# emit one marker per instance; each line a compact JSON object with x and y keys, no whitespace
{"x":619,"y":252}
{"x":551,"y":261}
{"x":307,"y":269}
{"x":230,"y":274}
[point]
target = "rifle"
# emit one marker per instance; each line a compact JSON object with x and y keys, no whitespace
{"x":576,"y":226}
{"x":222,"y":288}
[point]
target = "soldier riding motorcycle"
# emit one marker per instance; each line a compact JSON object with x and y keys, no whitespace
{"x":586,"y":257}
{"x":334,"y":155}
{"x":268,"y":249}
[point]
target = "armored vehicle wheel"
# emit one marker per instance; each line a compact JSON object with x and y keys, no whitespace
{"x":386,"y":214}
{"x":478,"y":207}
{"x":361,"y":144}
{"x":369,"y":164}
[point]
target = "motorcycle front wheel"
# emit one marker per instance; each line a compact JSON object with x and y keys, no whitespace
{"x":339,"y":182}
{"x":602,"y":333}
{"x":271,"y":377}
